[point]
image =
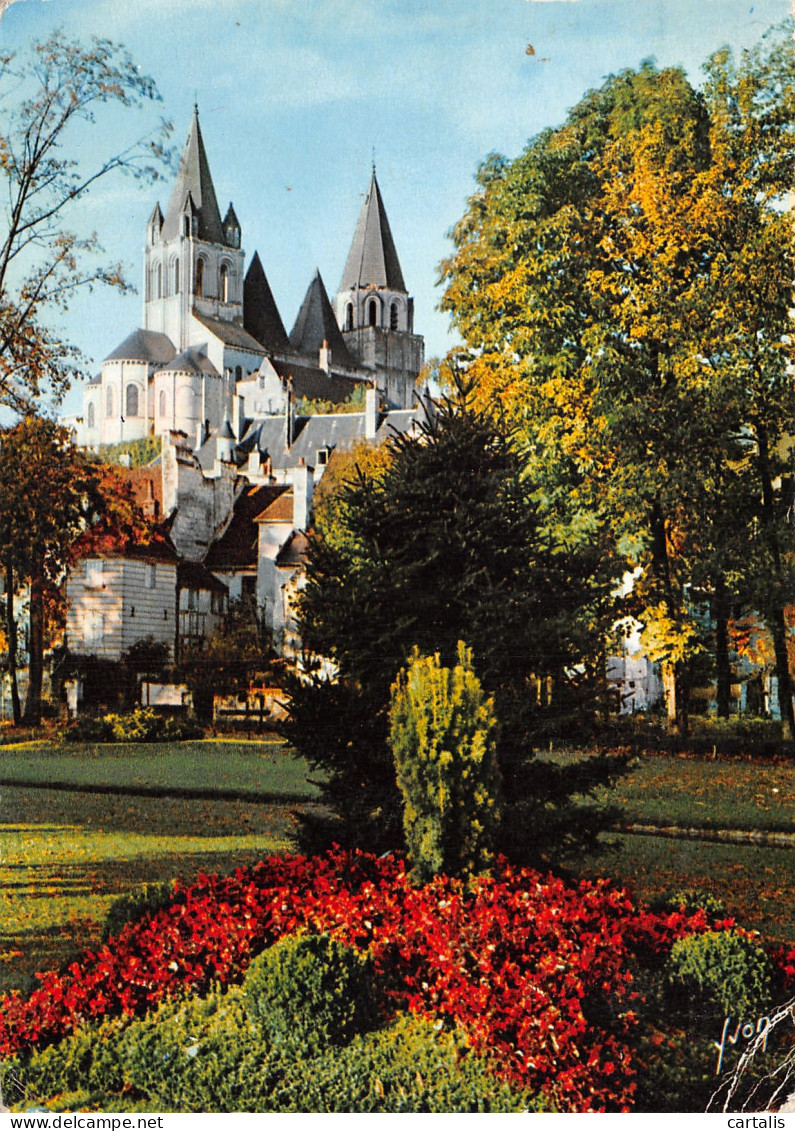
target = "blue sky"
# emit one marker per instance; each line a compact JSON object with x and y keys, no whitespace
{"x":295,"y":95}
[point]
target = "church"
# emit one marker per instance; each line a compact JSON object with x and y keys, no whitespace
{"x":213,"y":356}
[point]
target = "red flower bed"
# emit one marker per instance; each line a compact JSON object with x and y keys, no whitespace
{"x":536,"y":971}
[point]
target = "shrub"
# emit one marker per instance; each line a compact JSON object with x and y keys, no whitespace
{"x":718,"y":974}
{"x":689,"y":901}
{"x":134,"y":905}
{"x":141,"y":725}
{"x":310,"y":991}
{"x":443,"y":738}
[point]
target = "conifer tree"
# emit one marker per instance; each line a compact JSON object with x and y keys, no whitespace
{"x":443,"y":738}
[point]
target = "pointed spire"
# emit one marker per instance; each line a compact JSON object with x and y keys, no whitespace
{"x":372,"y":260}
{"x":194,"y":180}
{"x":315,"y":324}
{"x":260,"y":314}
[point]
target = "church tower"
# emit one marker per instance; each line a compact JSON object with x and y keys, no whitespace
{"x":193,"y":258}
{"x":373,"y":307}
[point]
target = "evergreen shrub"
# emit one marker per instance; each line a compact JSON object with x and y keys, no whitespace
{"x":443,"y":737}
{"x":718,"y":974}
{"x":133,"y":905}
{"x":310,"y":992}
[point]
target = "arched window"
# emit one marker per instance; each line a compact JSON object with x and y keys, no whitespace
{"x":131,"y":401}
{"x":224,"y":283}
{"x":199,"y":287}
{"x":162,"y":403}
{"x":372,"y":313}
{"x":349,"y":316}
{"x":91,"y":415}
{"x":176,"y":276}
{"x":160,"y":280}
{"x":109,"y":402}
{"x":393,"y":316}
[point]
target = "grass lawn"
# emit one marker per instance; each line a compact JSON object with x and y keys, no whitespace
{"x":669,"y":790}
{"x":258,"y":768}
{"x":756,"y":884}
{"x":65,"y":856}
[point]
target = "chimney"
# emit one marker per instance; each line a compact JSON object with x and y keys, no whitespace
{"x":303,"y":482}
{"x":289,"y":414}
{"x":324,"y":357}
{"x":371,"y":408}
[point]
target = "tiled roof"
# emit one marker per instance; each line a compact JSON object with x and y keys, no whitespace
{"x":315,"y":384}
{"x":237,"y":546}
{"x":193,"y":575}
{"x":293,"y":552}
{"x":191,"y":361}
{"x":230,"y":333}
{"x":372,"y":260}
{"x":144,"y":345}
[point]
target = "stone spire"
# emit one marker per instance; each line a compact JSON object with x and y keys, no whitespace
{"x":372,"y":260}
{"x":194,"y":187}
{"x":316,"y":326}
{"x":260,"y":314}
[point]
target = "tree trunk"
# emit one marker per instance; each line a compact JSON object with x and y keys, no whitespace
{"x":675,"y":676}
{"x":776,"y":608}
{"x":720,"y":613}
{"x":32,"y":716}
{"x":11,"y":637}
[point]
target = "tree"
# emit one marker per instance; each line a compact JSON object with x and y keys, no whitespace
{"x":51,"y":494}
{"x":440,"y":543}
{"x":591,"y":281}
{"x":51,"y":97}
{"x":443,"y":739}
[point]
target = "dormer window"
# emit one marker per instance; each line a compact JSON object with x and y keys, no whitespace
{"x":186,"y":225}
{"x":321,"y":457}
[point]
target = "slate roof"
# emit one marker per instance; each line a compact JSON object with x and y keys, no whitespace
{"x":315,"y":384}
{"x":373,"y":260}
{"x":194,"y":181}
{"x":191,"y":361}
{"x":237,"y":547}
{"x":293,"y":552}
{"x":316,"y":323}
{"x":144,"y":345}
{"x":331,"y":431}
{"x":261,"y":316}
{"x":193,"y":575}
{"x":230,"y":333}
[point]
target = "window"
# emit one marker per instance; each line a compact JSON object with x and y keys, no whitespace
{"x":93,"y":629}
{"x":109,"y":402}
{"x":91,"y":415}
{"x":372,"y":313}
{"x":224,"y":283}
{"x":176,"y":276}
{"x":131,"y":401}
{"x":322,"y":457}
{"x":199,"y":287}
{"x":160,"y":280}
{"x":151,"y":575}
{"x":238,"y":373}
{"x":193,"y":599}
{"x":94,"y":573}
{"x":248,"y":587}
{"x":393,"y":316}
{"x":186,"y":225}
{"x":349,"y":316}
{"x":162,"y":403}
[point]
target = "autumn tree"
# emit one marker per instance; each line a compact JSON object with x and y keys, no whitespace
{"x":50,"y":98}
{"x":622,"y":288}
{"x":52,"y":496}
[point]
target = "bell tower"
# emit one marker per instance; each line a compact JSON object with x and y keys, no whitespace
{"x":193,"y":259}
{"x":373,"y":308}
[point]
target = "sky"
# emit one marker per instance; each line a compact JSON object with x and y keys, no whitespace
{"x":298,"y":97}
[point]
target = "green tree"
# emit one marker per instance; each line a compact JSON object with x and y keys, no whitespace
{"x":441,"y":543}
{"x":443,"y":739}
{"x":51,"y":96}
{"x":591,"y":281}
